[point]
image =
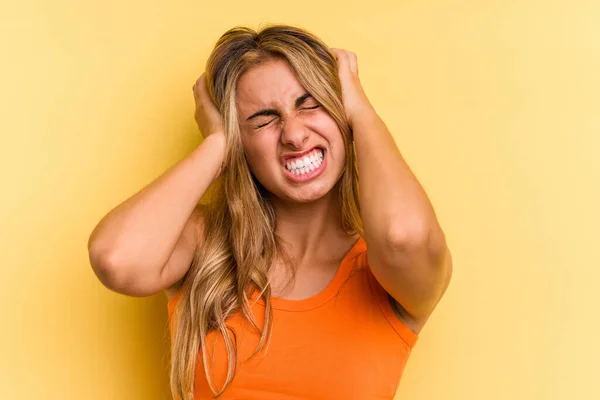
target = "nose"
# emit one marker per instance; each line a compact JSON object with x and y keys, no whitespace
{"x":293,"y":132}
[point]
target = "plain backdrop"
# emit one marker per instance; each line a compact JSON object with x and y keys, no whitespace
{"x":494,"y":104}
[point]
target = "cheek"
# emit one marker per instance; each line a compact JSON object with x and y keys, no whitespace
{"x":259,"y":155}
{"x":327,"y":127}
{"x":338,"y":150}
{"x":333,"y":135}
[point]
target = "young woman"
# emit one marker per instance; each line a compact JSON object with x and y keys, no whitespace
{"x":290,"y":283}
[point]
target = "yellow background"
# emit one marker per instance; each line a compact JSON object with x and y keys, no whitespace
{"x":495,"y":105}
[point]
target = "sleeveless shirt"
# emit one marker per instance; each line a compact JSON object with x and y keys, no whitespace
{"x":345,"y":342}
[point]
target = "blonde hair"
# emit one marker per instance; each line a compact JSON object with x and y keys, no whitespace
{"x":240,"y":243}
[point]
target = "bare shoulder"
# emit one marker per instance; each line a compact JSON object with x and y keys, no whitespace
{"x":183,"y":254}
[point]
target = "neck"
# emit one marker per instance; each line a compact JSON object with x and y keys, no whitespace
{"x":309,"y":228}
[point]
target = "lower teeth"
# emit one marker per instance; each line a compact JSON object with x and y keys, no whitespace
{"x":306,"y":170}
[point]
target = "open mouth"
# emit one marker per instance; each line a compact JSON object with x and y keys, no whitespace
{"x":306,"y":167}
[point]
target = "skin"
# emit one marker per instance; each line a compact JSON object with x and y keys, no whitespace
{"x":307,"y":212}
{"x":408,"y":254}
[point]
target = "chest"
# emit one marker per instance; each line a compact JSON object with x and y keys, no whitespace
{"x":306,"y":281}
{"x":343,"y":349}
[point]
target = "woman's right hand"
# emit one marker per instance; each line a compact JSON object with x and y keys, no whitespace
{"x":207,"y":114}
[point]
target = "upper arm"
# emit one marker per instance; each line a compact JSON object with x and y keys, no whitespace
{"x":416,"y":322}
{"x":416,"y":278}
{"x":178,"y":264}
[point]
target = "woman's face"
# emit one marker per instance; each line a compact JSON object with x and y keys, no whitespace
{"x":293,"y":146}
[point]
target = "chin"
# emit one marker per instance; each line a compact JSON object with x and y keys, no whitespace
{"x":307,"y":194}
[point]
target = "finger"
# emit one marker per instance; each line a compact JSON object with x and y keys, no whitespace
{"x":341,"y":57}
{"x":196,"y":94}
{"x":347,"y":62}
{"x":338,"y":53}
{"x":197,"y":86}
{"x":353,"y":62}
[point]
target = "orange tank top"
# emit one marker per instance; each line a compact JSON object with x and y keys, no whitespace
{"x":343,"y":343}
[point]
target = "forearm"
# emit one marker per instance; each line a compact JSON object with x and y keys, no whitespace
{"x":142,"y":231}
{"x":407,"y":250}
{"x":394,"y":206}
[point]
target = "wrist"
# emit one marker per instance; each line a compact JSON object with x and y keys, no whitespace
{"x":217,"y":144}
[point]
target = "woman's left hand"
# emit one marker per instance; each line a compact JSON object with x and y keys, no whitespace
{"x":353,"y":96}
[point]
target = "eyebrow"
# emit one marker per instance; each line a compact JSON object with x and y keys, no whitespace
{"x":271,"y":111}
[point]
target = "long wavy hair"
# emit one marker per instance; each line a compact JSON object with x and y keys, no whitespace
{"x":239,"y":242}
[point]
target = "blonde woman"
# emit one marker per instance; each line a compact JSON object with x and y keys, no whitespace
{"x":290,"y":283}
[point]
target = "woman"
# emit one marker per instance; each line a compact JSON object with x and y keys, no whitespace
{"x":272,"y":292}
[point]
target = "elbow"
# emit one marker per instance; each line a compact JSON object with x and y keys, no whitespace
{"x":106,"y":268}
{"x":122,"y":277}
{"x":418,"y":236}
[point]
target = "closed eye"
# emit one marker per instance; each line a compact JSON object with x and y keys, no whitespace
{"x":265,"y":123}
{"x":268,"y":122}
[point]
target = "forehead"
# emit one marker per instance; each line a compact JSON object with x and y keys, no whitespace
{"x":272,"y":84}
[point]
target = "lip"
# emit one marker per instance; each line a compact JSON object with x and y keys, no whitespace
{"x":311,"y":175}
{"x":287,"y":156}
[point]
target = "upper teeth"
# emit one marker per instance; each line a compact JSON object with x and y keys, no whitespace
{"x":306,"y":163}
